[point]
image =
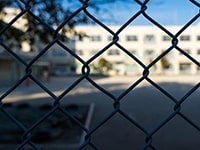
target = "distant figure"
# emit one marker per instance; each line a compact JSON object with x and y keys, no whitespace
{"x":46,"y":75}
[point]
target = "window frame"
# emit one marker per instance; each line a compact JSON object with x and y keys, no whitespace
{"x":198,"y":37}
{"x":149,"y":38}
{"x":113,"y":52}
{"x":185,"y":38}
{"x":95,"y":38}
{"x":166,"y":38}
{"x":131,"y":38}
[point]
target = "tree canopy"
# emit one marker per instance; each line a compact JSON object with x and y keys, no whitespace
{"x":43,"y":17}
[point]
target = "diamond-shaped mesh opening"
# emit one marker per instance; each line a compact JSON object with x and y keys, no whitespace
{"x":139,"y":105}
{"x":134,"y":137}
{"x":54,"y":65}
{"x":176,"y":131}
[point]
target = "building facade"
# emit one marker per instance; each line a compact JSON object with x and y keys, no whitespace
{"x":136,"y":48}
{"x":56,"y":60}
{"x":145,"y":43}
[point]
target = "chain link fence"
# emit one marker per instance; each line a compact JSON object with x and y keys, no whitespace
{"x":88,"y":142}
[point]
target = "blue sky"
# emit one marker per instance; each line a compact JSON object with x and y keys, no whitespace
{"x":167,"y":12}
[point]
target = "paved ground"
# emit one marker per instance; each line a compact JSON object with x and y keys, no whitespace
{"x":145,"y":104}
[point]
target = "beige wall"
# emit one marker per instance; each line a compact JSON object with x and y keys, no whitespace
{"x":140,"y":46}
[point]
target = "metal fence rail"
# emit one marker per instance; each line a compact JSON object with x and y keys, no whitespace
{"x":26,"y":8}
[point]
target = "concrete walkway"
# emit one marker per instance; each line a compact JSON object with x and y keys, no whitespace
{"x":145,"y":104}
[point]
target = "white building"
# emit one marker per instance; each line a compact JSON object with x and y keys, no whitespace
{"x":146,"y":43}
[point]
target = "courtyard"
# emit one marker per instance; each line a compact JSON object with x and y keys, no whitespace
{"x":143,"y":103}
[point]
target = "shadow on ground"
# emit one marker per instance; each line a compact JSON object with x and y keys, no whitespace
{"x":151,"y":113}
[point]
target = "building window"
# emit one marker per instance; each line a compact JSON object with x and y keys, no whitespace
{"x":149,"y":38}
{"x":134,"y":52}
{"x":110,"y":38}
{"x":185,"y":67}
{"x":114,"y":52}
{"x":149,"y":53}
{"x":185,"y":38}
{"x":166,"y":38}
{"x":198,"y":52}
{"x":95,"y":38}
{"x":198,"y":37}
{"x":131,"y":38}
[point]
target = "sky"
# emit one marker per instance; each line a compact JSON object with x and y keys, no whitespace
{"x":167,"y":12}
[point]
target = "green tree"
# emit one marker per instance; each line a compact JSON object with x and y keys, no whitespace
{"x":42,"y":19}
{"x":164,"y":63}
{"x":64,"y":14}
{"x":103,"y":65}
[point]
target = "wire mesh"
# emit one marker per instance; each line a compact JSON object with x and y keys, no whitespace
{"x":88,"y":142}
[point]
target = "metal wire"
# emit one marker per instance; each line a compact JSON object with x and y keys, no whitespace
{"x":25,"y":7}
